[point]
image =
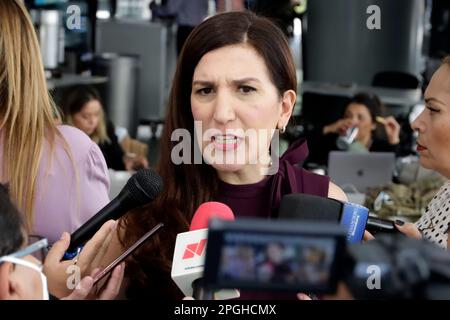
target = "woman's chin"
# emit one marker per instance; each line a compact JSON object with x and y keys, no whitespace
{"x":227,"y":167}
{"x":425,"y":163}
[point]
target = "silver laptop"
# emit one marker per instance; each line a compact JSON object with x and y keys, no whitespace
{"x":361,"y":170}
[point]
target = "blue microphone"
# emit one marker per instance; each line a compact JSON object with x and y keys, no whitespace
{"x":320,"y":209}
{"x":354,"y":219}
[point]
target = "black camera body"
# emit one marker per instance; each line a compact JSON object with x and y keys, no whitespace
{"x":295,"y":256}
{"x":274,"y":255}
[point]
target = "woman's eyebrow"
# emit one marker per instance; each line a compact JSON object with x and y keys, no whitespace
{"x":245,"y":80}
{"x":202,"y":83}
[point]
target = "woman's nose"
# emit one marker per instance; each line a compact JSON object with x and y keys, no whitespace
{"x":417,"y":124}
{"x":223,"y":108}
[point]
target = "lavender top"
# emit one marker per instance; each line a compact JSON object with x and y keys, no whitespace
{"x":62,"y":203}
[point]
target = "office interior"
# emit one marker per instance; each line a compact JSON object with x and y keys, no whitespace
{"x":129,"y":55}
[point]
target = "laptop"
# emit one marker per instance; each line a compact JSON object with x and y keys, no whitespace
{"x":361,"y":170}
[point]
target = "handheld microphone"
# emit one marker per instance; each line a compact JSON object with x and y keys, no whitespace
{"x":314,"y":208}
{"x":376,"y":225}
{"x":143,"y":187}
{"x":189,"y":254}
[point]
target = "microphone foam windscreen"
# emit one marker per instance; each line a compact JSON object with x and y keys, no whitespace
{"x":310,"y":207}
{"x":144,"y":186}
{"x":210,"y":210}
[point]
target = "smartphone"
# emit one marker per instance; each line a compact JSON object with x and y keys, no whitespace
{"x":126,"y":253}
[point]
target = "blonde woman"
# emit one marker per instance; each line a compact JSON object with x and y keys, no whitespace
{"x":57,"y":176}
{"x":83,"y":109}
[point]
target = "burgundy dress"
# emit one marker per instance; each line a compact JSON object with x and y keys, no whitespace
{"x":262,"y":199}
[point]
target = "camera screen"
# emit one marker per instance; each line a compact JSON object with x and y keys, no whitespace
{"x":276,"y":261}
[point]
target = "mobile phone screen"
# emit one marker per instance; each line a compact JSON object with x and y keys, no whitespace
{"x":126,"y":253}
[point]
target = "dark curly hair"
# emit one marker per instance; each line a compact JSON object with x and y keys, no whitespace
{"x":371,"y":101}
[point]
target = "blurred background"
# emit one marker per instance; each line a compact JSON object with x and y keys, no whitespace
{"x":127,"y":50}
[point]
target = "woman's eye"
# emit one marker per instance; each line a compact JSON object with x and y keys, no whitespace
{"x":205,"y":91}
{"x":246,"y":89}
{"x":432,"y":109}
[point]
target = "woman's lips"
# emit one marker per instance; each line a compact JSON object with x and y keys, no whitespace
{"x":420,"y":147}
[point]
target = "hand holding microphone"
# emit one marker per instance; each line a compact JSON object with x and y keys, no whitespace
{"x":62,"y":275}
{"x":142,"y":188}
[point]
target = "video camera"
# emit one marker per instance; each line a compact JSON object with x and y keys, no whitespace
{"x":277,"y":255}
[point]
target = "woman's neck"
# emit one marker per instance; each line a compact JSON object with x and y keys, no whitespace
{"x":250,"y":174}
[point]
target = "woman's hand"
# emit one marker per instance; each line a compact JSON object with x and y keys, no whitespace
{"x":368,"y":236}
{"x":63,"y":275}
{"x":135,"y":162}
{"x":392,"y":130}
{"x":340,"y":127}
{"x":342,"y":293}
{"x":408,"y":229}
{"x":87,"y":291}
{"x":303,"y":296}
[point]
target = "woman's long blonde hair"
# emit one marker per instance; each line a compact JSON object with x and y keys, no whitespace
{"x":26,"y":108}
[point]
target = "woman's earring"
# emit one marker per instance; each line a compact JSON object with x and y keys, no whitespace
{"x":283,"y":130}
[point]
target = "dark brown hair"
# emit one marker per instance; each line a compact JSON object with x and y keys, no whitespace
{"x":447,"y":60}
{"x":189,"y":185}
{"x":11,"y":224}
{"x":372,"y":103}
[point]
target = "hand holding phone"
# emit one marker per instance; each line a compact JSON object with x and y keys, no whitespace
{"x":126,"y":253}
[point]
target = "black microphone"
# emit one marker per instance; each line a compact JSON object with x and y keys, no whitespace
{"x":320,"y":209}
{"x":310,"y":207}
{"x":143,"y":187}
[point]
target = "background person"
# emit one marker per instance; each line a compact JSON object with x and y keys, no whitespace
{"x":365,"y":112}
{"x":433,"y":128}
{"x":187,"y":13}
{"x":83,"y":109}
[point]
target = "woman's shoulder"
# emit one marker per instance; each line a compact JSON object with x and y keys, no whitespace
{"x":312,"y":183}
{"x":75,"y":137}
{"x":441,"y":200}
{"x":80,"y":145}
{"x":297,"y":179}
{"x":72,"y":134}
